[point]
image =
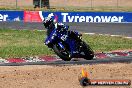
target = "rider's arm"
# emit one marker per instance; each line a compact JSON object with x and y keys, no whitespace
{"x":50,"y":29}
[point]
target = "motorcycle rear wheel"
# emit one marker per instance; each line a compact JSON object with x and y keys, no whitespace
{"x":89,"y":54}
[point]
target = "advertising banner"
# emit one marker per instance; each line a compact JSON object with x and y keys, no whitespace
{"x":90,"y":17}
{"x":98,"y":17}
{"x":11,"y":16}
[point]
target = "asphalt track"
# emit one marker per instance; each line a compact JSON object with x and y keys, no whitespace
{"x":124,"y":29}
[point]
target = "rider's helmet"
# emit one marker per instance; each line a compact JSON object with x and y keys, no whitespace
{"x":47,"y":22}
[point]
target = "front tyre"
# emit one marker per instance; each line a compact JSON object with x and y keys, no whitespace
{"x":64,"y":54}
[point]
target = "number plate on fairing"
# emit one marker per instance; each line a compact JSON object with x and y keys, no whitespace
{"x":64,"y":37}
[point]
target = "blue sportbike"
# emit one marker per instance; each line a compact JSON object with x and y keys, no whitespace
{"x":68,"y":44}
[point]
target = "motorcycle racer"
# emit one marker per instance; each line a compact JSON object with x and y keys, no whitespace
{"x":51,"y":24}
{"x":65,"y":43}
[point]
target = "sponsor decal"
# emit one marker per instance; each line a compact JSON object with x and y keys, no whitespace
{"x":3,"y":17}
{"x":37,"y":16}
{"x":32,"y":16}
{"x":81,"y":18}
{"x":11,"y":16}
{"x":17,"y":19}
{"x":84,"y":16}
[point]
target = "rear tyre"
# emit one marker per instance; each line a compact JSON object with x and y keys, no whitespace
{"x":64,"y":54}
{"x":89,"y":54}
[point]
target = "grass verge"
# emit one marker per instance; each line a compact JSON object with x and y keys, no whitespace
{"x":21,"y":43}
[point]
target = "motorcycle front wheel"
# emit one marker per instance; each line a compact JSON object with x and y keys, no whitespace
{"x":63,"y":53}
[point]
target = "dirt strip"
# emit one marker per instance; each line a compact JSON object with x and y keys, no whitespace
{"x":61,"y":76}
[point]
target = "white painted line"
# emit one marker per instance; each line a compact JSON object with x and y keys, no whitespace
{"x":89,"y":33}
{"x":115,"y":35}
{"x":129,"y":37}
{"x":108,"y":35}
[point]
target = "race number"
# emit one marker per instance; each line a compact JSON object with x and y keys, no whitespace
{"x":64,"y":37}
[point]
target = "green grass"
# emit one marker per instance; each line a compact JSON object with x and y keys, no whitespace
{"x":104,"y":43}
{"x":18,"y":43}
{"x":22,"y":43}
